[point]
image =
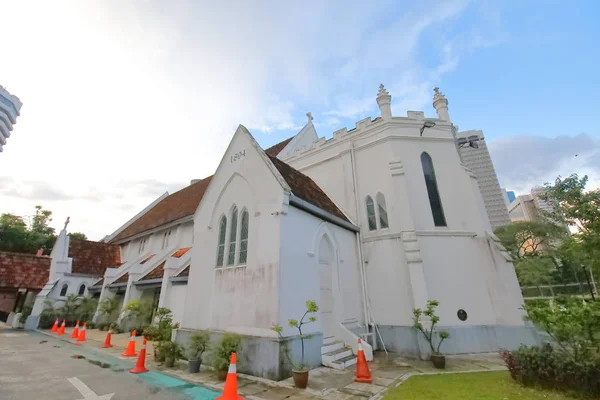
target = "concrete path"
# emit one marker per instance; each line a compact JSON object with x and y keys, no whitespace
{"x":324,"y":383}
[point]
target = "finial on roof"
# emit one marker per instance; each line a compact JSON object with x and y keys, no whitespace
{"x":382,"y":90}
{"x":440,"y":103}
{"x":309,"y":115}
{"x":437,"y":94}
{"x":67,"y":223}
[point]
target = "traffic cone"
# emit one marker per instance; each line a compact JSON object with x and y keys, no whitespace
{"x":139,"y":366}
{"x":363,"y":375}
{"x":75,"y":333}
{"x":107,"y":344}
{"x":230,"y":391}
{"x":55,"y":326}
{"x":130,"y":351}
{"x":81,"y":337}
{"x":61,"y":330}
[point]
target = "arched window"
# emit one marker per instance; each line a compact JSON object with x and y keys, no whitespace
{"x":221,"y":247}
{"x":81,"y":290}
{"x":166,"y":237}
{"x":63,"y":290}
{"x":244,"y":238}
{"x":371,"y":214}
{"x":432,"y":190}
{"x":383,"y":217}
{"x":232,"y":236}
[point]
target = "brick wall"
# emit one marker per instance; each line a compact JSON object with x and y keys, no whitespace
{"x":19,"y":270}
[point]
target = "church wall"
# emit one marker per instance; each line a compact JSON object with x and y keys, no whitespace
{"x":181,"y":236}
{"x":175,"y":300}
{"x":301,"y":233}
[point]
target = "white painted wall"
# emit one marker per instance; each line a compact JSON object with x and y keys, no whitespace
{"x":239,"y":298}
{"x":301,"y":234}
{"x":175,"y":301}
{"x":74,"y":283}
{"x":181,"y":236}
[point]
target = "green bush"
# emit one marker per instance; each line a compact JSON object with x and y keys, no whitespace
{"x":545,"y":367}
{"x":199,"y":343}
{"x":25,"y":312}
{"x":221,"y":355}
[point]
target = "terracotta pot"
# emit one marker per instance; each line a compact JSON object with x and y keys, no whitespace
{"x":222,"y":375}
{"x":438,"y":360}
{"x":300,"y":379}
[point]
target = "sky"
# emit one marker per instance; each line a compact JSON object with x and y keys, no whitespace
{"x":124,"y":100}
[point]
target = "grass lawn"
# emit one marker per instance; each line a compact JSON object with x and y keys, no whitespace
{"x":496,"y":385}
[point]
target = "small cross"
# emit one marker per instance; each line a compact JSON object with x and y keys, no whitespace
{"x":309,"y":115}
{"x":67,"y":222}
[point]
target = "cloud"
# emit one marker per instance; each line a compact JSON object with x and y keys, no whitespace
{"x":525,"y":161}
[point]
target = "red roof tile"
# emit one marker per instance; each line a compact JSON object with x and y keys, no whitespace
{"x":276,"y":149}
{"x":185,"y":272}
{"x":180,"y":204}
{"x":122,"y":279}
{"x":99,"y":282}
{"x":181,"y":252}
{"x":147,"y":258}
{"x":92,"y":258}
{"x":306,"y":189}
{"x":156,"y":273}
{"x":19,"y":270}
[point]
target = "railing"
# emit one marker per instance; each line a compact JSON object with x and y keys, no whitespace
{"x":581,"y":289}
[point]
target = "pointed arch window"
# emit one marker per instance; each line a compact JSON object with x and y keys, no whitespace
{"x":244,"y":237}
{"x":81,"y":290}
{"x":232,"y":236}
{"x":381,"y":208}
{"x":432,"y":190}
{"x":63,"y":290}
{"x":221,"y":246}
{"x":371,"y":218}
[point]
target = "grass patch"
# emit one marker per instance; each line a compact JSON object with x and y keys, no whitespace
{"x":496,"y":385}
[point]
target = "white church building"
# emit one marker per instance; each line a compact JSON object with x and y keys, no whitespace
{"x":370,"y":224}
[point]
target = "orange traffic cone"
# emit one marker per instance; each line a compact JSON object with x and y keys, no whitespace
{"x":130,"y":351}
{"x":230,"y":391}
{"x":363,"y":374}
{"x":107,"y":344}
{"x":81,"y":337}
{"x":139,"y":366}
{"x":55,"y":326}
{"x":75,"y":333}
{"x":61,"y":330}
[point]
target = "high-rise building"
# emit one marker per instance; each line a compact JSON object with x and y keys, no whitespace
{"x":10,"y":107}
{"x":475,"y":155}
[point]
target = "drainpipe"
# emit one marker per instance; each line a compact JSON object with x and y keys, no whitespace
{"x":358,"y":242}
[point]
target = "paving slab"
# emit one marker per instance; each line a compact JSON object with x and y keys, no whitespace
{"x":367,"y":388}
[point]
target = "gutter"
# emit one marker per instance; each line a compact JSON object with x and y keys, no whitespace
{"x":317,"y":212}
{"x":148,"y":282}
{"x":179,"y":279}
{"x":117,"y":285}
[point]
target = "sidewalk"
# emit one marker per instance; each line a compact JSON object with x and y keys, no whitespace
{"x":324,"y":383}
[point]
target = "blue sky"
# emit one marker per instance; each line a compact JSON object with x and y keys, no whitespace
{"x":126,"y":99}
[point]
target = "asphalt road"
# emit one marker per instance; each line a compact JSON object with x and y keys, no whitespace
{"x":35,"y":366}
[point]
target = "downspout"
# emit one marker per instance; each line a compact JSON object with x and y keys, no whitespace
{"x":358,"y":242}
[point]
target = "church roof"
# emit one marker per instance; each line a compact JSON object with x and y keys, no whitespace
{"x":180,"y":204}
{"x":92,"y":258}
{"x":274,"y":150}
{"x":18,"y":270}
{"x":305,"y":188}
{"x":156,"y":273}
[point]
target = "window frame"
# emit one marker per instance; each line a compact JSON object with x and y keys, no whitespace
{"x":65,"y":288}
{"x":379,"y":199}
{"x":233,"y":237}
{"x":243,"y":240}
{"x":433,"y":192}
{"x":372,"y":204}
{"x":221,"y":245}
{"x":79,"y":291}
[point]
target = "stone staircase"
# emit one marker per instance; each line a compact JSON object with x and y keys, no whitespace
{"x":335,"y":354}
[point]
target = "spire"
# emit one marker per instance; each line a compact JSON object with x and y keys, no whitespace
{"x":384,"y":100}
{"x":310,"y":117}
{"x":440,"y":103}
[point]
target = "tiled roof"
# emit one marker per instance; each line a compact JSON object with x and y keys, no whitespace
{"x":122,"y":279}
{"x":99,"y":282}
{"x":92,"y":258}
{"x":156,"y":273}
{"x":147,"y":258}
{"x":178,"y":205}
{"x":185,"y":272}
{"x":19,"y":270}
{"x":181,"y":252}
{"x":305,"y":188}
{"x":276,"y":149}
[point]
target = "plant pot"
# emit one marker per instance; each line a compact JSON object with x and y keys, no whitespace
{"x":169,"y":361}
{"x":222,"y":374}
{"x":438,"y":360}
{"x":194,"y":366}
{"x":300,"y":379}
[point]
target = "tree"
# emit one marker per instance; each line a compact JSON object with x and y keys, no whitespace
{"x":78,"y":235}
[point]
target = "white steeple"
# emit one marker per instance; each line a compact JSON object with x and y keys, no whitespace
{"x":440,"y":103}
{"x":384,"y":100}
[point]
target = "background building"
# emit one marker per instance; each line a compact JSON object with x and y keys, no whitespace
{"x":10,"y":107}
{"x":525,"y":207}
{"x":477,"y":158}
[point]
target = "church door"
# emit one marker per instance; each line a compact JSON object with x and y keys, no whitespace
{"x":326,"y":276}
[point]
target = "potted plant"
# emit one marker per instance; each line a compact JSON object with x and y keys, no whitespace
{"x":437,"y":358}
{"x":221,"y":355}
{"x":299,"y":370}
{"x":171,"y":352}
{"x":198,"y":345}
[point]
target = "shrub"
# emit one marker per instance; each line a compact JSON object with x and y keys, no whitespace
{"x":198,"y":344}
{"x":434,"y":319}
{"x":548,"y":368}
{"x":229,"y":343}
{"x":25,"y":312}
